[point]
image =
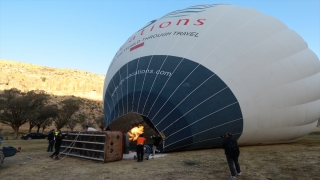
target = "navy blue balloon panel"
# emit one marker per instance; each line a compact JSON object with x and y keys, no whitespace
{"x":184,"y":100}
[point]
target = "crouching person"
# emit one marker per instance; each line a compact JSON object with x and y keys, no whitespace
{"x":156,"y":143}
{"x":57,"y":145}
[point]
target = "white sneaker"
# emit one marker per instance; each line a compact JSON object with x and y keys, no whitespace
{"x":239,"y":174}
{"x":233,"y":177}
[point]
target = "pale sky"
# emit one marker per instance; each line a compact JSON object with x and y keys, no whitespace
{"x":86,"y":34}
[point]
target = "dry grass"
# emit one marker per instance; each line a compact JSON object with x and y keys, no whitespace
{"x":299,"y":160}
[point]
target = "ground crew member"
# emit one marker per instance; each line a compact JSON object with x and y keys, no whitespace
{"x":51,"y":138}
{"x":155,"y":143}
{"x":141,"y":141}
{"x":232,"y":155}
{"x":57,"y":145}
{"x":57,"y":132}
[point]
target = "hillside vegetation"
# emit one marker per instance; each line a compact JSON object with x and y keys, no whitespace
{"x":59,"y":84}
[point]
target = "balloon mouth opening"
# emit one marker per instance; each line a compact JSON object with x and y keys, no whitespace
{"x":134,"y":124}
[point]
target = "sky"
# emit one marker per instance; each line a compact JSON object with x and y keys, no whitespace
{"x":86,"y":34}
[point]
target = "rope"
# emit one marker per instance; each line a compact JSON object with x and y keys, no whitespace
{"x":71,"y":144}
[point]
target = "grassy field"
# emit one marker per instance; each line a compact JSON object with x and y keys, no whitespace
{"x":298,"y":160}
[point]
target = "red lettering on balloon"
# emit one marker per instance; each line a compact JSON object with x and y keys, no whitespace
{"x":200,"y":21}
{"x":186,"y":21}
{"x":164,"y":26}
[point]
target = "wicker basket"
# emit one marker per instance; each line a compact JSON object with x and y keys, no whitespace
{"x":103,"y":146}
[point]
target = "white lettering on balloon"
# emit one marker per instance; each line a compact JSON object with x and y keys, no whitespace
{"x":140,"y":72}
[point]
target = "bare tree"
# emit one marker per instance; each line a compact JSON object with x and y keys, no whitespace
{"x":44,"y":115}
{"x":32,"y":120}
{"x":72,"y":123}
{"x":84,"y":121}
{"x":40,"y":99}
{"x":17,"y":108}
{"x":45,"y":124}
{"x":81,"y":117}
{"x":11,"y":104}
{"x":69,"y":107}
{"x":100,"y":122}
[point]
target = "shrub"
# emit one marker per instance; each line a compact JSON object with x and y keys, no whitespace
{"x":43,"y":79}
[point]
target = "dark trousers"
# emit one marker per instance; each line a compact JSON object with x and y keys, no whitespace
{"x":57,"y":151}
{"x":50,"y":146}
{"x":231,"y":161}
{"x":140,"y":152}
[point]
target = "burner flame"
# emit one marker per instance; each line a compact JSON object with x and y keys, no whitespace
{"x":135,"y":132}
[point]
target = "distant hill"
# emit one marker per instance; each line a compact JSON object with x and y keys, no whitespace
{"x":55,"y":81}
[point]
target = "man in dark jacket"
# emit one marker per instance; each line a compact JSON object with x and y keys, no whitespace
{"x":57,"y":145}
{"x":155,"y":143}
{"x":232,"y":155}
{"x":51,"y":138}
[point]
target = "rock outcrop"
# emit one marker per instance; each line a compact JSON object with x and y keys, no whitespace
{"x":64,"y":82}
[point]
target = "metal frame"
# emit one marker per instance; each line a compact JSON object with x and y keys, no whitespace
{"x":94,"y":145}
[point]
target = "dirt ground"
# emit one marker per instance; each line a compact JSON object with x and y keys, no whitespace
{"x":298,"y":160}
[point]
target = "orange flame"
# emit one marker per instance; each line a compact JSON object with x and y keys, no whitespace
{"x":135,"y":132}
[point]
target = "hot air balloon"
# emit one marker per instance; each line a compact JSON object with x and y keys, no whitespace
{"x":195,"y":74}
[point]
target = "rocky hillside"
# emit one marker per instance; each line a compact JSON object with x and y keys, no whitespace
{"x":60,"y":82}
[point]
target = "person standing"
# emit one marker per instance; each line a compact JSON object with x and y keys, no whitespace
{"x":51,"y":138}
{"x":232,"y":152}
{"x":57,"y":132}
{"x":155,"y":143}
{"x":141,"y":141}
{"x":57,"y":145}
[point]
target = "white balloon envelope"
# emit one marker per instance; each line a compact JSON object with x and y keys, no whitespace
{"x":197,"y":73}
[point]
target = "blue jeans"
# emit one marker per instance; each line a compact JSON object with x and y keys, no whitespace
{"x":234,"y":160}
{"x":50,"y":146}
